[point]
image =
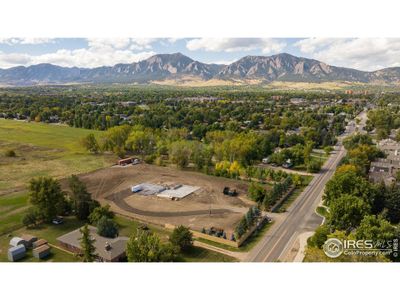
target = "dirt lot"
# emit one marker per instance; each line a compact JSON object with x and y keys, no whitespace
{"x":112,"y":186}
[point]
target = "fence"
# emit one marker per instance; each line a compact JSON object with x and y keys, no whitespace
{"x":283,"y":198}
{"x":227,"y":242}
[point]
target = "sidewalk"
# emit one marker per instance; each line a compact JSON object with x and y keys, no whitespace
{"x":238,"y":255}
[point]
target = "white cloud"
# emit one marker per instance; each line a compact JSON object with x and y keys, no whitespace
{"x":26,"y":41}
{"x":368,"y":54}
{"x":121,"y":43}
{"x":223,"y":62}
{"x":173,"y":40}
{"x":236,"y":44}
{"x":100,"y":52}
{"x":88,"y":58}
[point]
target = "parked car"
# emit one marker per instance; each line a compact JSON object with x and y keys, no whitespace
{"x":58,"y":220}
{"x":227,"y":191}
{"x":266,"y":160}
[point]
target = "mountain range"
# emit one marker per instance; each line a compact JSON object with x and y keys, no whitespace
{"x":176,"y":66}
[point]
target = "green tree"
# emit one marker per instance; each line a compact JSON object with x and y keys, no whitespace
{"x":180,"y":153}
{"x":375,"y":228}
{"x":313,"y":166}
{"x":182,"y":238}
{"x":107,"y":227}
{"x":319,"y":237}
{"x":99,"y":212}
{"x":90,"y":143}
{"x":356,"y":140}
{"x":142,"y":142}
{"x":46,"y":194}
{"x":308,"y":148}
{"x":328,"y":150}
{"x":392,"y":204}
{"x":87,"y":244}
{"x":145,"y":246}
{"x":31,"y":218}
{"x":348,"y":181}
{"x":116,"y":137}
{"x":256,"y":192}
{"x":347,"y":211}
{"x":201,"y":155}
{"x":81,"y":198}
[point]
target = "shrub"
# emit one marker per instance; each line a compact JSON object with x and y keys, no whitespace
{"x":182,"y":238}
{"x":313,"y":166}
{"x":100,"y":212}
{"x":107,"y":228}
{"x":31,"y":218}
{"x":319,"y":237}
{"x":10,"y":153}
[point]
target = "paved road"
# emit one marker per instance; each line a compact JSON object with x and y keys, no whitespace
{"x":283,"y":234}
{"x":300,"y":216}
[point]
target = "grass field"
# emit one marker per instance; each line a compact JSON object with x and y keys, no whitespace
{"x":12,"y":208}
{"x":43,"y":150}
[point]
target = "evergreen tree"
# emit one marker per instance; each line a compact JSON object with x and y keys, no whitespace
{"x":82,"y":200}
{"x":87,"y":246}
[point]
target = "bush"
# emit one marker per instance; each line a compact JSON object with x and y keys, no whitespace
{"x":31,"y":218}
{"x":256,"y":192}
{"x":100,"y":212}
{"x":10,"y":153}
{"x":149,"y":159}
{"x":319,"y":237}
{"x":107,"y":227}
{"x":90,"y":143}
{"x":313,"y":166}
{"x":182,"y":238}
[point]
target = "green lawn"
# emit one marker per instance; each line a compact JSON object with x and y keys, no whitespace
{"x":44,"y":135}
{"x":44,"y":150}
{"x":48,"y":232}
{"x":198,"y":254}
{"x":320,"y":157}
{"x":12,"y":208}
{"x":322,"y":210}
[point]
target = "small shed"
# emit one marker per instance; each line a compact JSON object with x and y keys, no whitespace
{"x":16,"y":253}
{"x":29,"y":239}
{"x":39,"y":243}
{"x":41,"y":252}
{"x":16,"y":241}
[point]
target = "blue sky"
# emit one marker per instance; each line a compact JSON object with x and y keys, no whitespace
{"x":360,"y":53}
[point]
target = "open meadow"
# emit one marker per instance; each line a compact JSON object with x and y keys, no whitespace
{"x":43,"y":150}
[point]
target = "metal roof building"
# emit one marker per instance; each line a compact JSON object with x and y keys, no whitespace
{"x":39,"y":243}
{"x":16,"y":253}
{"x":41,"y":251}
{"x":16,"y":241}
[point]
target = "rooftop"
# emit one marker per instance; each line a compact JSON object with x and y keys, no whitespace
{"x":116,"y":247}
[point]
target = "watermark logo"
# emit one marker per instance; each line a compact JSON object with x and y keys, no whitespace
{"x":333,"y":248}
